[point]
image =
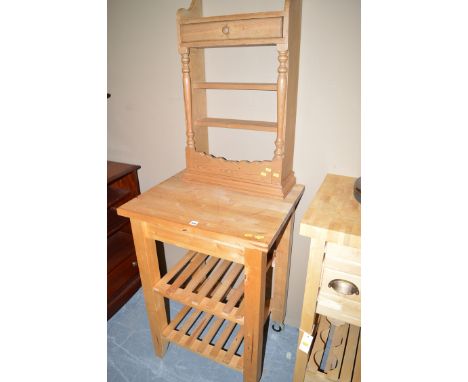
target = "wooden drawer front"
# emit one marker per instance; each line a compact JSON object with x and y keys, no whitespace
{"x":121,"y":275}
{"x":232,"y":30}
{"x":332,"y":274}
{"x":342,"y":258}
{"x":336,"y":305}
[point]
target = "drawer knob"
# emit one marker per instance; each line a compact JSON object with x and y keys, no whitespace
{"x":225,"y":29}
{"x":343,"y":287}
{"x":134,"y":264}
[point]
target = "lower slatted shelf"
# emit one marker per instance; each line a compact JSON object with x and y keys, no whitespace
{"x":207,"y":335}
{"x":342,"y":362}
{"x":207,"y":283}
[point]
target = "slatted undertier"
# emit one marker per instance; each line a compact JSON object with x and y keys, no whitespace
{"x":207,"y":283}
{"x":342,"y":362}
{"x":207,"y":335}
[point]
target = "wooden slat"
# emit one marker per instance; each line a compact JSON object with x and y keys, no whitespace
{"x":209,"y":336}
{"x":201,"y":274}
{"x":187,"y":272}
{"x":237,"y":124}
{"x":201,"y":326}
{"x":234,"y":272}
{"x":350,"y":354}
{"x":187,"y":325}
{"x":234,"y":345}
{"x":234,"y":297}
{"x":222,"y":339}
{"x":235,"y":86}
{"x":176,"y":269}
{"x":212,"y":281}
{"x":357,"y":364}
{"x":179,"y":317}
{"x":240,"y":311}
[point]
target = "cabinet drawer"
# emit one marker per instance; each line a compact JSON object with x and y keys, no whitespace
{"x":341,"y":306}
{"x":122,"y":274}
{"x":232,"y":29}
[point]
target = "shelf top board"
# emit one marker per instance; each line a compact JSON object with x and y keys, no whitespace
{"x":335,"y":210}
{"x":215,"y":212}
{"x":116,"y":170}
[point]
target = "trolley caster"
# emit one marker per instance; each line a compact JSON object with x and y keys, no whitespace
{"x":277,"y":327}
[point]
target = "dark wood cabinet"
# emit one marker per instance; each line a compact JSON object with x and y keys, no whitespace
{"x":123,"y":278}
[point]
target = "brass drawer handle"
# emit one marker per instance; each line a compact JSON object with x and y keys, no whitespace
{"x":134,"y":264}
{"x":343,"y":287}
{"x":225,"y":29}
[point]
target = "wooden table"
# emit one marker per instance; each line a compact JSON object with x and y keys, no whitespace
{"x":331,"y":311}
{"x":234,"y":241}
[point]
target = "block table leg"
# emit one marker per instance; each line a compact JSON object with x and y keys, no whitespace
{"x":148,"y":265}
{"x":314,"y":268}
{"x":254,"y":300}
{"x":281,"y":275}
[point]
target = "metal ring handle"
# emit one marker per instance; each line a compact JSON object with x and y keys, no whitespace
{"x":343,"y":287}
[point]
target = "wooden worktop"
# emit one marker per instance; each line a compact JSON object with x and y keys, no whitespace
{"x":334,"y":212}
{"x":222,"y":214}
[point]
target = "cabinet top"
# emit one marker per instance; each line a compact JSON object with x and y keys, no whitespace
{"x":214,"y":212}
{"x":116,"y":170}
{"x":334,"y":213}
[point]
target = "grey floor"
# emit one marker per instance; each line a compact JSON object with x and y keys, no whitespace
{"x":130,"y":355}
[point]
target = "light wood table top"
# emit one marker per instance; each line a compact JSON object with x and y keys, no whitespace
{"x":221,"y":214}
{"x":334,"y":209}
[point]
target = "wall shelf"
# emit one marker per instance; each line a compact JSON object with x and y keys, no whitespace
{"x":235,"y":86}
{"x":237,"y":124}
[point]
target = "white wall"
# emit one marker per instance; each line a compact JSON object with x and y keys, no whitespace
{"x":146,"y":115}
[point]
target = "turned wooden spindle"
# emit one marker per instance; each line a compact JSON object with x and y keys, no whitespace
{"x":281,"y":98}
{"x":187,"y":97}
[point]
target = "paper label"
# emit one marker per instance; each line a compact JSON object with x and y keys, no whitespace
{"x":306,"y":342}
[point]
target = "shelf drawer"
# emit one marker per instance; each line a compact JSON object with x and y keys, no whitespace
{"x":232,"y":29}
{"x":339,"y":305}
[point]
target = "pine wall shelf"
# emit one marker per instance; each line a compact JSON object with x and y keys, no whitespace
{"x":273,"y":177}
